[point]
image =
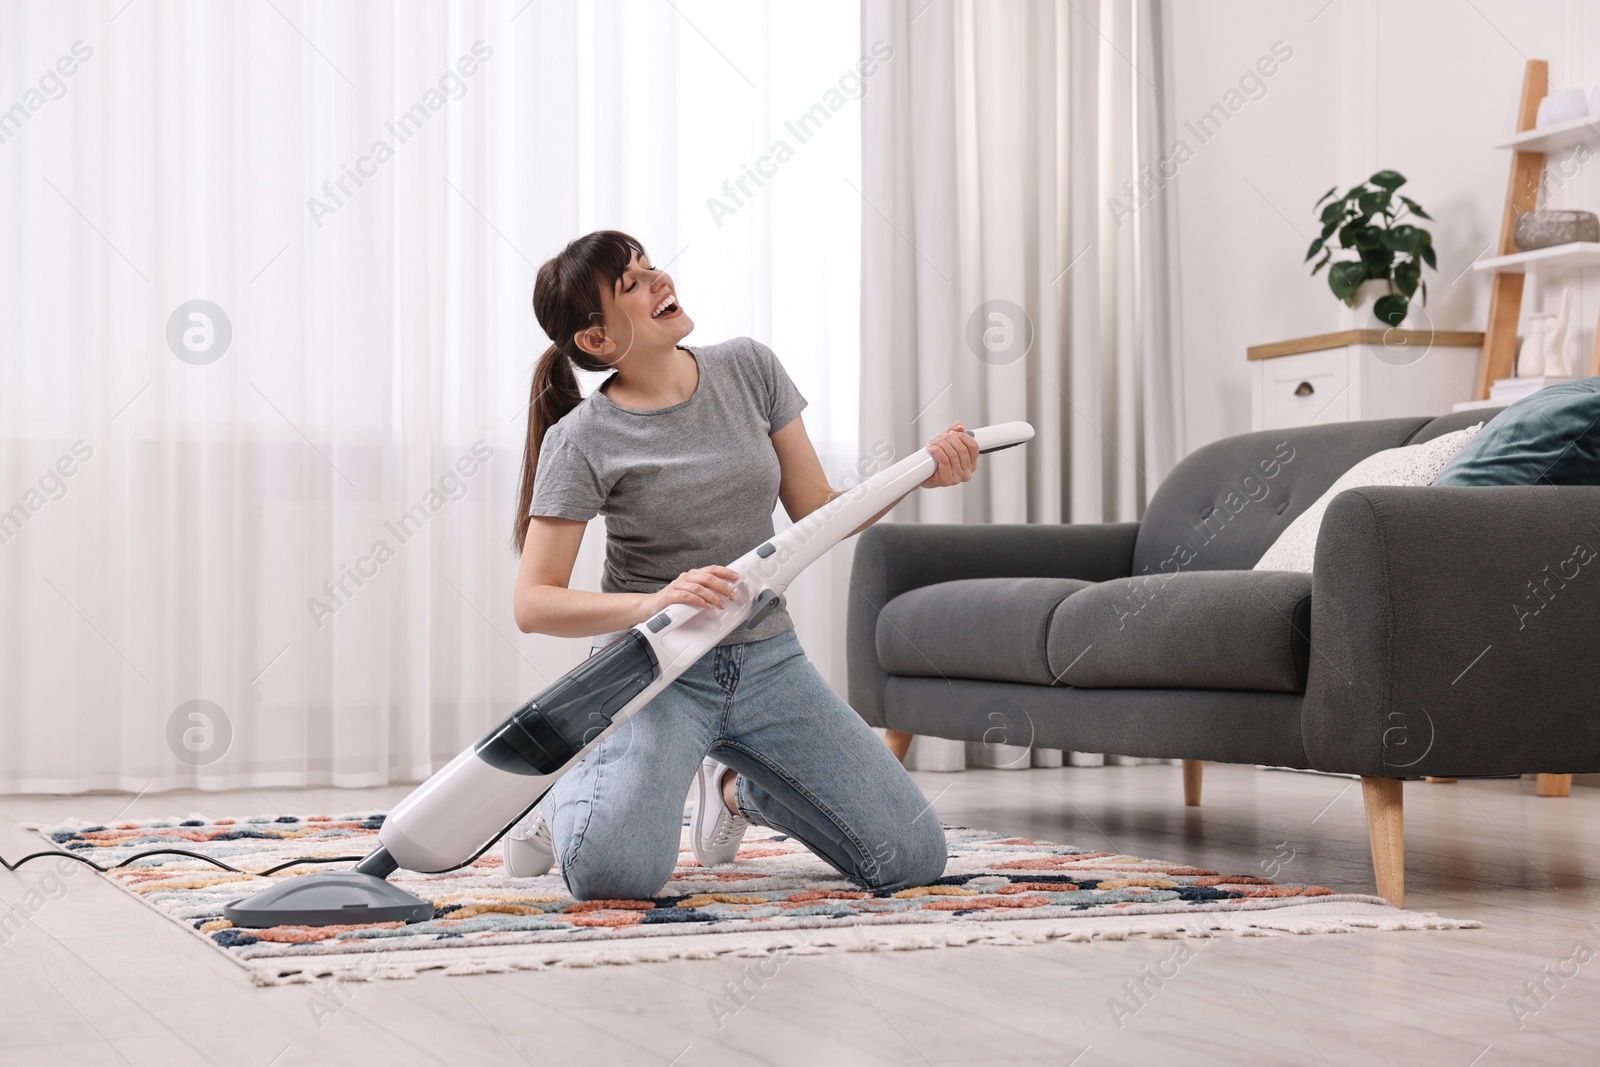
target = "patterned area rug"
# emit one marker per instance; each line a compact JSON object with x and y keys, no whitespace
{"x":776,"y":898}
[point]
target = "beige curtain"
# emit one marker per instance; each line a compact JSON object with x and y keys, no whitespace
{"x":265,"y":341}
{"x":1017,"y":250}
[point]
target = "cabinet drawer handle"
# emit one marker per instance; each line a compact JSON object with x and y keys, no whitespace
{"x":1304,"y":389}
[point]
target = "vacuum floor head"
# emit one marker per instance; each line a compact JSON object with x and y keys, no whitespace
{"x":329,"y":898}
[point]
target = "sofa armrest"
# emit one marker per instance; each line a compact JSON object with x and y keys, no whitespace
{"x":1453,"y":632}
{"x":892,"y":558}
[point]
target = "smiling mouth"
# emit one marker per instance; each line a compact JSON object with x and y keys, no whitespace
{"x":666,"y":309}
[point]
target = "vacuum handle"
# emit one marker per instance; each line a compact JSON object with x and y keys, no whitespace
{"x":1001,"y":435}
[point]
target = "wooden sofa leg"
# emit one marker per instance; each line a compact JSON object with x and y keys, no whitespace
{"x":899,"y":742}
{"x":1386,"y":834}
{"x":1192,"y":770}
{"x":1553,"y":785}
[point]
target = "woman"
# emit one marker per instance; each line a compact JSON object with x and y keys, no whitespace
{"x":684,"y":451}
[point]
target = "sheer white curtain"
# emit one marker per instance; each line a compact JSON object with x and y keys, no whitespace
{"x":1018,"y":257}
{"x":291,"y":503}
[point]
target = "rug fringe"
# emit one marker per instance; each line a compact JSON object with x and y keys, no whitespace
{"x":852,"y":939}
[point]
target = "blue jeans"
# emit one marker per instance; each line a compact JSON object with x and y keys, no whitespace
{"x":808,"y":766}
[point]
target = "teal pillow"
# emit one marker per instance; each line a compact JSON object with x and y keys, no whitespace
{"x":1549,"y":438}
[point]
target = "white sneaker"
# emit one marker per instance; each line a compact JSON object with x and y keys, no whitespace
{"x":714,"y":831}
{"x":527,"y":851}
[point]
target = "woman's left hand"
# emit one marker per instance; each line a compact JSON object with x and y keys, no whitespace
{"x":956,"y":452}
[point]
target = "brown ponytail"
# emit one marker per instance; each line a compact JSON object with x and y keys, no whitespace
{"x":566,"y":299}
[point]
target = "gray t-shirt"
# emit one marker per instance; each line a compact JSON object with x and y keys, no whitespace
{"x":685,"y":486}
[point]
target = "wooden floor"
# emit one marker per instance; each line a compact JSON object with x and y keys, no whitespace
{"x":96,"y":978}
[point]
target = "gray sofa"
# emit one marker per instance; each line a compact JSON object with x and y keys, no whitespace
{"x":1445,"y":632}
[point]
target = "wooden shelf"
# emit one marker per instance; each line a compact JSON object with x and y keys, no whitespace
{"x":1522,"y":195}
{"x":1557,"y":138}
{"x":1573,"y":256}
{"x":1424,"y":338}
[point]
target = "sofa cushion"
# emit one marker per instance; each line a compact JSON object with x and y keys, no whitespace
{"x":1198,"y":630}
{"x":1549,"y":438}
{"x":990,"y":628}
{"x":1296,"y":548}
{"x":1456,"y":420}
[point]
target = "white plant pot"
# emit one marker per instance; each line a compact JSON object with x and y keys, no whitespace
{"x":1367,"y":295}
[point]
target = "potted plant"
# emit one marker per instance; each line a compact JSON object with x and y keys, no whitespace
{"x":1369,"y":219}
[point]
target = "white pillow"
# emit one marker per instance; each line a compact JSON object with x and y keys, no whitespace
{"x":1296,"y":547}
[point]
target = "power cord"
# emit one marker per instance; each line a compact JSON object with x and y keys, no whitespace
{"x":176,"y":852}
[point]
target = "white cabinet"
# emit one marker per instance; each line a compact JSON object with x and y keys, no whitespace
{"x":1303,"y":388}
{"x":1361,"y":374}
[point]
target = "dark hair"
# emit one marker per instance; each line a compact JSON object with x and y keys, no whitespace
{"x":566,"y":300}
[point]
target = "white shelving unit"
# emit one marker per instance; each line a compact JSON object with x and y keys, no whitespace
{"x":1509,"y":268}
{"x":1556,"y":138}
{"x":1573,"y":256}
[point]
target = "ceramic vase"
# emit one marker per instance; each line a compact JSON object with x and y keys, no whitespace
{"x":1535,"y":345}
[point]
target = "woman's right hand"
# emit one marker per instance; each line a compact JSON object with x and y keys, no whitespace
{"x":703,"y":587}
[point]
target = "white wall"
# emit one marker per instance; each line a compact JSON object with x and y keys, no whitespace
{"x":1424,"y":87}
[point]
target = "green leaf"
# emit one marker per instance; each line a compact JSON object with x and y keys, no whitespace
{"x":1416,"y":208}
{"x":1388,"y":179}
{"x":1344,"y":278}
{"x":1372,"y":203}
{"x":1327,"y":254}
{"x":1426,"y":250}
{"x":1391,"y":309}
{"x":1406,"y":276}
{"x":1424,"y":292}
{"x":1324,"y":196}
{"x":1316,"y":246}
{"x":1333,"y":213}
{"x":1368,"y":237}
{"x":1348,"y":233}
{"x":1403,"y":238}
{"x":1377,"y":261}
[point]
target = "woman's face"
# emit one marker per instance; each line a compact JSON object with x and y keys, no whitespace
{"x":642,"y":310}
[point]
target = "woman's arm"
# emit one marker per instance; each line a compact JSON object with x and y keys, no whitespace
{"x":545,"y":605}
{"x":803,"y":487}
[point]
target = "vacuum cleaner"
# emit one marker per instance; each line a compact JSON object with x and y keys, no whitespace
{"x":459,"y":813}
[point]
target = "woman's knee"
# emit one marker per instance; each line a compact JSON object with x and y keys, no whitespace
{"x":596,"y":877}
{"x":916,"y":858}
